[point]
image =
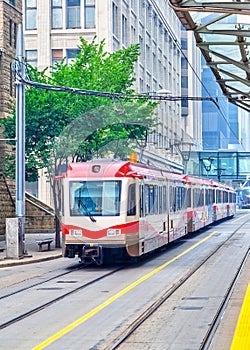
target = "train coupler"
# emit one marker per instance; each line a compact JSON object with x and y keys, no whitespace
{"x":91,"y":253}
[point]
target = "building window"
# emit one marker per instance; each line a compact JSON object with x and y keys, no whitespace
{"x":30,"y":11}
{"x":73,"y":13}
{"x":89,"y":10}
{"x":57,"y":56}
{"x":115,"y":19}
{"x":15,"y":34}
{"x":142,"y":49}
{"x":124,"y":30}
{"x":56,"y":14}
{"x":71,"y":54}
{"x":31,"y":57}
{"x":12,"y":2}
{"x":10,"y":32}
{"x":11,"y":80}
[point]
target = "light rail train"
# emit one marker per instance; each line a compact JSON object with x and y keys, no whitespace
{"x":114,"y":210}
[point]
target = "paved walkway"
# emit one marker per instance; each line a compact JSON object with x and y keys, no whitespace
{"x":32,"y":249}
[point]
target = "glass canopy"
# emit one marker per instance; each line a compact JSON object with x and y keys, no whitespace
{"x":222,"y":32}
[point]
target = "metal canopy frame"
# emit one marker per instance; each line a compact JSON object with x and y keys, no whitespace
{"x":222,"y":32}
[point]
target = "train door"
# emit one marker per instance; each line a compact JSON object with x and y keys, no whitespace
{"x":132,"y":219}
{"x":177,"y":210}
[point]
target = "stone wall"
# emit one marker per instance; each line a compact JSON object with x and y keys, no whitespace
{"x":39,"y":216}
{"x":7,"y":204}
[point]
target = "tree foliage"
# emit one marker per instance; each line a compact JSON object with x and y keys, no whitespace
{"x":57,"y":123}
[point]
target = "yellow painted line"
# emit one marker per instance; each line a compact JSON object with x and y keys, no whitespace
{"x":241,"y":217}
{"x":116,"y":296}
{"x":241,"y":339}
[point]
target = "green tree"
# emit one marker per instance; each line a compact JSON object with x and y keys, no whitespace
{"x":57,"y":123}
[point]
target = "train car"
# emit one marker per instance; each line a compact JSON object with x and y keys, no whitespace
{"x":114,"y":210}
{"x":199,"y":210}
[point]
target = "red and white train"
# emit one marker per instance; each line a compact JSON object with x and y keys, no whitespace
{"x":116,"y":209}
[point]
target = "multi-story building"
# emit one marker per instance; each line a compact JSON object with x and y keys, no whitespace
{"x":52,"y":30}
{"x":191,"y":86}
{"x":10,"y":17}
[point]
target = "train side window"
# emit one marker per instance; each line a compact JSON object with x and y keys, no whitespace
{"x":174,"y":199}
{"x":131,"y":200}
{"x":211,"y":196}
{"x":171,"y":204}
{"x":142,"y":211}
{"x":196,"y":197}
{"x":62,"y":202}
{"x":188,"y":198}
{"x":184,"y":194}
{"x":151,"y":199}
{"x":201,"y":197}
{"x":225,"y":196}
{"x":146,"y":199}
{"x":160,"y":199}
{"x":177,"y":198}
{"x":164,"y":201}
{"x":156,"y":199}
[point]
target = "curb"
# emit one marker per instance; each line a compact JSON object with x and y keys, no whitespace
{"x":27,"y":260}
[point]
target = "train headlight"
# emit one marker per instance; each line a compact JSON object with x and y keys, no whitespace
{"x":113,"y":232}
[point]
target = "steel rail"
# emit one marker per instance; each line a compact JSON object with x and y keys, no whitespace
{"x":164,"y":297}
{"x":47,"y":304}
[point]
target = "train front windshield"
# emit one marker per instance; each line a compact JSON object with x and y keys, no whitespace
{"x":95,"y":198}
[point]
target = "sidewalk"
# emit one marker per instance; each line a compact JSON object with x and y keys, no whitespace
{"x":32,"y":249}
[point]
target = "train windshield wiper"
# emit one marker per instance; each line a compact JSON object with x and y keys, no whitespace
{"x":83,"y":205}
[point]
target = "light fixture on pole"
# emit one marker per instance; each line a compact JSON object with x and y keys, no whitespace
{"x":184,"y":149}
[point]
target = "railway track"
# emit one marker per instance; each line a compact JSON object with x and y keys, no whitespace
{"x":214,"y":325}
{"x":54,"y":300}
{"x":119,"y":341}
{"x":40,"y":283}
{"x":122,"y":334}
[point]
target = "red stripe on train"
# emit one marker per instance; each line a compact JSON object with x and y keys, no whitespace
{"x":132,"y":227}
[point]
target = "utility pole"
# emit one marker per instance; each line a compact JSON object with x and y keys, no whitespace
{"x":20,"y":134}
{"x":15,"y":239}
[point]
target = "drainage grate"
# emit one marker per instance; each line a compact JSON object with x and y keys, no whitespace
{"x":66,"y":281}
{"x":52,"y":288}
{"x":196,"y":298}
{"x":191,"y":308}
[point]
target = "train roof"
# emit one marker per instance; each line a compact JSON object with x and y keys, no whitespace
{"x":100,"y":168}
{"x":108,"y":169}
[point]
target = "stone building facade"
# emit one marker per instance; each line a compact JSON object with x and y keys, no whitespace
{"x":38,"y":216}
{"x":10,"y":17}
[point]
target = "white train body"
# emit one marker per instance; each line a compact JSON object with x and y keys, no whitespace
{"x":114,"y":209}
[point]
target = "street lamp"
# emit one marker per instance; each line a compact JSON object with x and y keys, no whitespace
{"x":184,"y":148}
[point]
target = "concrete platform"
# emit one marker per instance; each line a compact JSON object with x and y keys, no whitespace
{"x":32,"y":254}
